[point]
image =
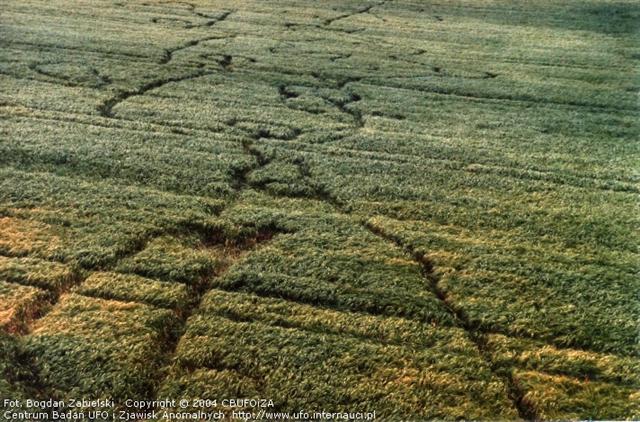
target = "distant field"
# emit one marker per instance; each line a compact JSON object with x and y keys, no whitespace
{"x":426,"y":209}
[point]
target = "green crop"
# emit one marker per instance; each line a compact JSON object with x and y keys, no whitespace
{"x":424,"y":209}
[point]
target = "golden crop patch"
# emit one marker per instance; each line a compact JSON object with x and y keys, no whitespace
{"x":20,"y":237}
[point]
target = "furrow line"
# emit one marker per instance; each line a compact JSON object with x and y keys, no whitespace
{"x":362,"y":10}
{"x":106,"y":108}
{"x":78,"y":278}
{"x":516,"y":395}
{"x":199,"y":290}
{"x":169,"y":52}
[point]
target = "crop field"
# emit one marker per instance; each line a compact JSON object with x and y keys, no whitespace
{"x":426,"y":209}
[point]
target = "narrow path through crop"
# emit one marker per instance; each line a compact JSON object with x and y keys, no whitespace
{"x":361,"y":10}
{"x":525,"y":411}
{"x":106,"y":108}
{"x":234,"y":249}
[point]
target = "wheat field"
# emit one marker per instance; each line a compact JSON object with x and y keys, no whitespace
{"x":426,"y":209}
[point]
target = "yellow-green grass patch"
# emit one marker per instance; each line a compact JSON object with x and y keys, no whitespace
{"x":133,"y":288}
{"x":558,"y":397}
{"x":88,"y":347}
{"x":36,"y":272}
{"x":296,"y":367}
{"x":19,"y":304}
